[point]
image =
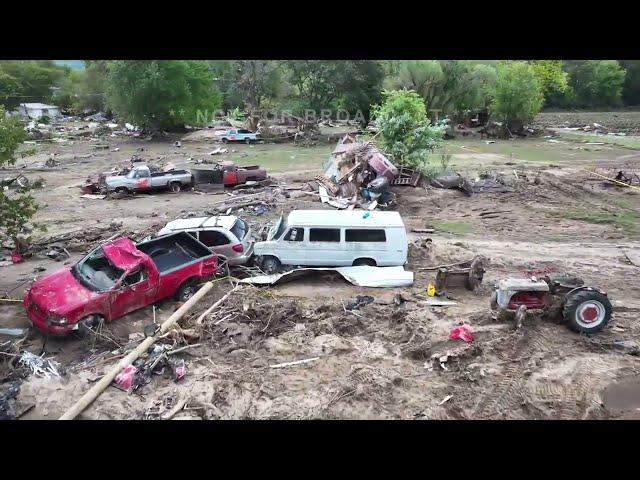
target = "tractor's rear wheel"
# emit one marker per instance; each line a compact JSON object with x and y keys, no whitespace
{"x":587,"y":311}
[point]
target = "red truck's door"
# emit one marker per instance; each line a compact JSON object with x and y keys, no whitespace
{"x":137,"y":290}
{"x":230,"y":178}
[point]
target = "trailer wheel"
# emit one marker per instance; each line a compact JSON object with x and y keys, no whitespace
{"x":587,"y":311}
{"x":175,"y":187}
{"x":187,"y":290}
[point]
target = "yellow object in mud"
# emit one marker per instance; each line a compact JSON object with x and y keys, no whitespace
{"x":431,"y":290}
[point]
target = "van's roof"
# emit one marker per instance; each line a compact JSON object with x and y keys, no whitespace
{"x":222,"y":221}
{"x":344,"y":218}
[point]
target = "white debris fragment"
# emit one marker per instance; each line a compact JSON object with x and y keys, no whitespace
{"x":39,"y":366}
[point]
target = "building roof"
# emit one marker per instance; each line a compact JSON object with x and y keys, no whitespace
{"x":37,"y":106}
{"x":344,"y":218}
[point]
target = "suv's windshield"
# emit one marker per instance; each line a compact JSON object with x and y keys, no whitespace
{"x":96,"y":272}
{"x":239,"y":229}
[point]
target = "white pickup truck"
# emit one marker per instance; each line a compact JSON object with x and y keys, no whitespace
{"x":140,"y":179}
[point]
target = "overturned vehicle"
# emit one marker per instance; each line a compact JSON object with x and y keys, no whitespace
{"x":562,"y":298}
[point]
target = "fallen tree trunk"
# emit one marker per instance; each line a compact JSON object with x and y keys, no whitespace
{"x":95,"y":391}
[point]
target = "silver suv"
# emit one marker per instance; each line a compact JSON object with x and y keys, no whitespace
{"x":226,"y":235}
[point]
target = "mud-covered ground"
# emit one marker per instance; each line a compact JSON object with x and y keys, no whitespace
{"x":389,"y":359}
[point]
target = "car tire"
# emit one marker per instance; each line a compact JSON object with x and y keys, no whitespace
{"x":224,"y":140}
{"x":89,"y":324}
{"x":122,"y":190}
{"x":223,"y":267}
{"x":359,"y":262}
{"x":247,"y":141}
{"x":270,"y":265}
{"x":587,"y":311}
{"x":186,"y":290}
{"x":175,"y":187}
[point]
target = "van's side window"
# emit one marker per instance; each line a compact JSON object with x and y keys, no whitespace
{"x":365,"y":235}
{"x":294,"y":235}
{"x":324,"y":235}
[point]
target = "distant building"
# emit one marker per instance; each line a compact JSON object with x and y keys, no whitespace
{"x":37,"y":110}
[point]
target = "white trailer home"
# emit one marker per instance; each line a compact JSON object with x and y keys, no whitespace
{"x":35,"y":111}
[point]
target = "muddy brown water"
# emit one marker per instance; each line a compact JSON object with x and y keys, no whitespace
{"x":622,"y":398}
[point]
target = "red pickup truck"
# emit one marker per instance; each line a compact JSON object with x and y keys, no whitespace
{"x":116,"y":279}
{"x":236,"y":175}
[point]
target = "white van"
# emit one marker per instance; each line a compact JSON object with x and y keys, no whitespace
{"x":334,"y":238}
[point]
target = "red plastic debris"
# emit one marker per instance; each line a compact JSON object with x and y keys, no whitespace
{"x":126,"y":378}
{"x":16,"y":257}
{"x":461,"y":333}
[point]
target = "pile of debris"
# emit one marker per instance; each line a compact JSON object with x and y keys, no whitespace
{"x":359,"y":175}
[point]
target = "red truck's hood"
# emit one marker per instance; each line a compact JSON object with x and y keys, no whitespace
{"x":60,"y":293}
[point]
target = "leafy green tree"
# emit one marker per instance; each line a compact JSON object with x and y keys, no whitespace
{"x":453,"y":87}
{"x":353,"y":85}
{"x":551,"y":76}
{"x":516,"y":97}
{"x":11,"y":92}
{"x":406,"y":132}
{"x":92,"y":86}
{"x":162,"y":94}
{"x":252,"y":83}
{"x":359,"y":86}
{"x":66,"y":92}
{"x":315,"y":82}
{"x":596,"y":83}
{"x":631,"y":89}
{"x":16,"y":207}
{"x":36,"y":79}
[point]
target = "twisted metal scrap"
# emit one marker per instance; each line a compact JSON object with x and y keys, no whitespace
{"x":39,"y":366}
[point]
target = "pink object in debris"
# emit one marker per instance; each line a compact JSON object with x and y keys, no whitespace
{"x":125,"y":379}
{"x":180,"y":369}
{"x":461,"y":333}
{"x":16,"y":257}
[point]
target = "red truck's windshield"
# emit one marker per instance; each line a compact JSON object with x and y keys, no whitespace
{"x":96,"y":272}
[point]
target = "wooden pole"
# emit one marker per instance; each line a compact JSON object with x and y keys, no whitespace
{"x":95,"y":391}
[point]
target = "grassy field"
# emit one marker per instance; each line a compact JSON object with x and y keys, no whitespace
{"x":626,"y":142}
{"x":455,"y":227}
{"x":623,"y":121}
{"x":281,"y":157}
{"x":465,"y":152}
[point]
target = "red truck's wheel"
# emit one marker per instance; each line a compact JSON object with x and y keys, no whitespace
{"x":186,"y":290}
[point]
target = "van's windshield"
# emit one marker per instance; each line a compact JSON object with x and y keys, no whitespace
{"x":277,"y":230}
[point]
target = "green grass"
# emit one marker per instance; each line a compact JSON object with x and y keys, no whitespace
{"x":280,"y":157}
{"x":474,"y":152}
{"x":625,"y":142}
{"x":629,"y":221}
{"x":458,"y":228}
